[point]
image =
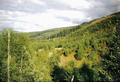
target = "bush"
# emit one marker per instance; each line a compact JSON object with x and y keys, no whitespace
{"x":92,"y":55}
{"x":66,"y":52}
{"x":60,"y":74}
{"x":95,"y":47}
{"x":86,"y":74}
{"x":71,"y":63}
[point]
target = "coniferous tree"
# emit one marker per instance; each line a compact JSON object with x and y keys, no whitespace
{"x":80,"y":53}
{"x":17,"y":45}
{"x":4,"y":55}
{"x":92,"y":55}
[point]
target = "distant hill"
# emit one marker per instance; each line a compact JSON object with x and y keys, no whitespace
{"x":61,"y":32}
{"x":65,"y":32}
{"x":0,"y":32}
{"x":46,"y":33}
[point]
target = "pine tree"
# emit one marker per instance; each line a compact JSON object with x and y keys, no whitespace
{"x":4,"y":55}
{"x":13,"y":45}
{"x":80,"y":53}
{"x":92,"y":55}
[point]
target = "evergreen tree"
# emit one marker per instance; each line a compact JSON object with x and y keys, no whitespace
{"x":17,"y":45}
{"x":5,"y":55}
{"x":80,"y":53}
{"x":92,"y":55}
{"x":85,"y":73}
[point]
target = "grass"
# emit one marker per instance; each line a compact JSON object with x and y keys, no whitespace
{"x":65,"y":60}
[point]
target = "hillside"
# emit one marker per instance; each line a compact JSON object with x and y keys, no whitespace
{"x":87,"y":52}
{"x":90,"y":45}
{"x":65,"y":32}
{"x":46,"y":33}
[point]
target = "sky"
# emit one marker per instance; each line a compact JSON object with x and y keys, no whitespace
{"x":39,"y":15}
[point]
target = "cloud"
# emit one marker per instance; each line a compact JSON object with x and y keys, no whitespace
{"x":101,"y":8}
{"x":40,"y":21}
{"x":38,"y":15}
{"x":79,"y":4}
{"x":38,"y":2}
{"x":31,"y":6}
{"x":72,"y":15}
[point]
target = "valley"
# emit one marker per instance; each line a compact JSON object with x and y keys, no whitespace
{"x":90,"y":52}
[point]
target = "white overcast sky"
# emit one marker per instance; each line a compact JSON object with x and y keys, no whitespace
{"x":39,"y":15}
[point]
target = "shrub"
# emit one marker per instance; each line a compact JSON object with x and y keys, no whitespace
{"x":80,"y":53}
{"x":71,"y":63}
{"x":95,"y":47}
{"x":66,"y":52}
{"x":86,"y":73}
{"x":92,"y":55}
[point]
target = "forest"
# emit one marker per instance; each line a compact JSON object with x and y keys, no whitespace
{"x":86,"y":52}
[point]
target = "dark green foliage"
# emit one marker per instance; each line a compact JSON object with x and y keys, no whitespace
{"x":58,"y":74}
{"x":61,"y":74}
{"x":85,"y":73}
{"x":111,"y":60}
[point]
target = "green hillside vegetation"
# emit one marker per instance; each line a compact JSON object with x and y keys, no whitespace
{"x":89,"y":53}
{"x":65,"y":32}
{"x":45,"y":34}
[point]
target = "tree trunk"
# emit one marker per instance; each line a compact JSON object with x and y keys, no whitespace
{"x":8,"y":55}
{"x":21,"y":65}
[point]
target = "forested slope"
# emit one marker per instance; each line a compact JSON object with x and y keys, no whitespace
{"x":89,"y":53}
{"x":45,"y":34}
